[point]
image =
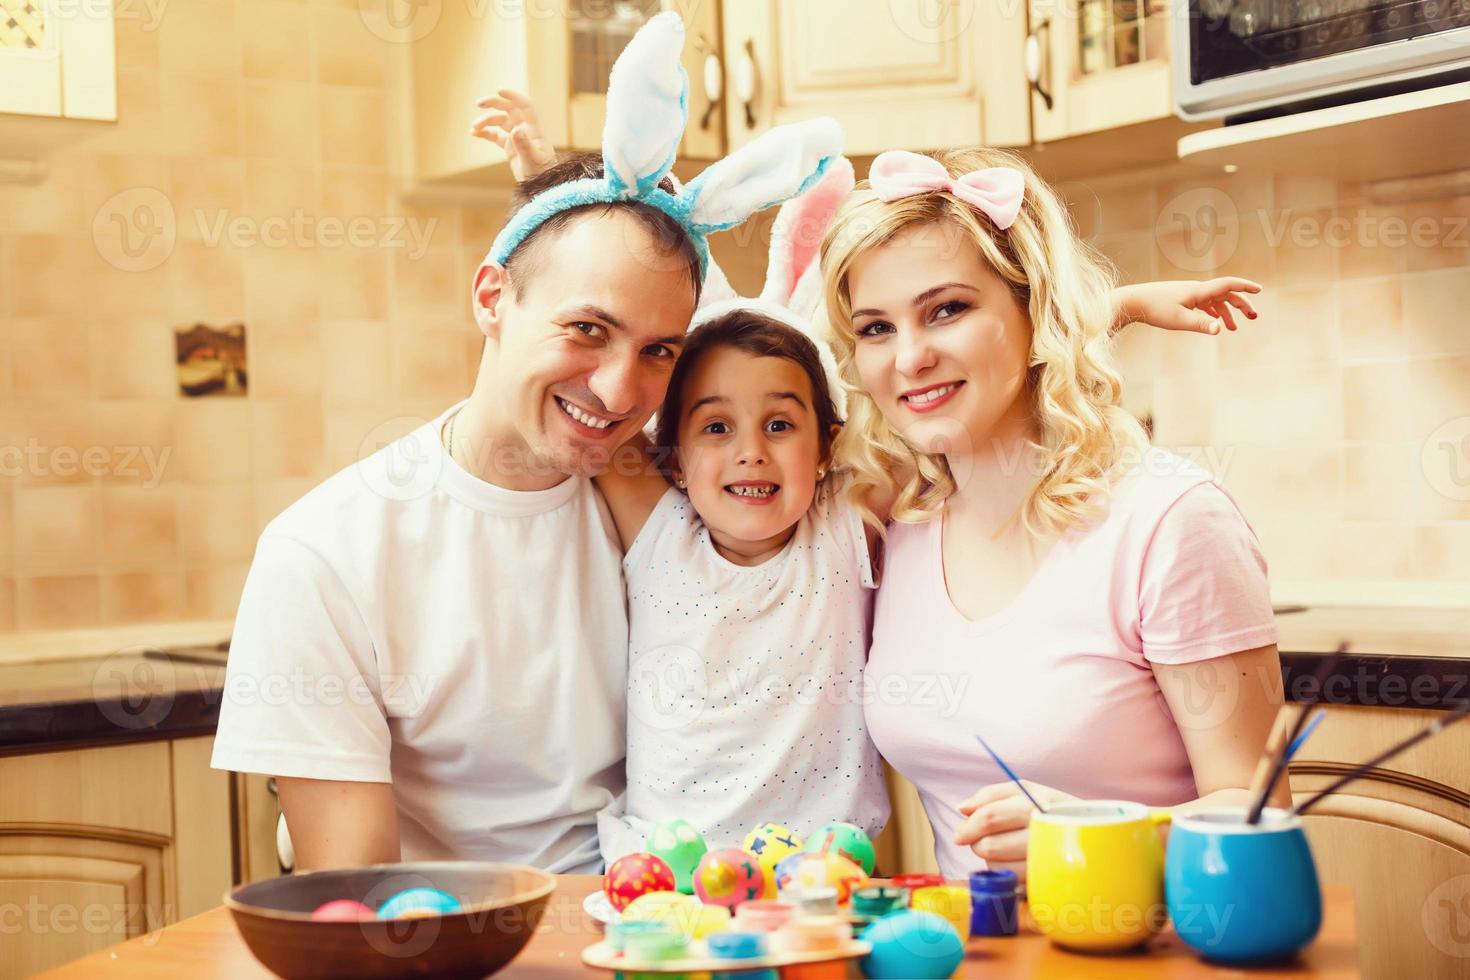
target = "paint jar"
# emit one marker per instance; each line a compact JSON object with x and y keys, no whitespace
{"x":763,"y":915}
{"x":654,"y":947}
{"x":993,"y":910}
{"x":814,"y":934}
{"x":817,"y":901}
{"x":950,"y":901}
{"x":740,"y":946}
{"x":913,"y":882}
{"x":869,"y":903}
{"x":618,"y":932}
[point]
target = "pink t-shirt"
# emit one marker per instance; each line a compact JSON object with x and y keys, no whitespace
{"x":1058,"y":682}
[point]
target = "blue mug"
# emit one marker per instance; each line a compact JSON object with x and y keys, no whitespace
{"x":1242,"y":893}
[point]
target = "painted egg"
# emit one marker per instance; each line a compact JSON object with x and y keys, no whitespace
{"x":786,"y":869}
{"x":832,"y":871}
{"x":636,"y":874}
{"x":728,"y":877}
{"x":849,"y":840}
{"x":911,"y":944}
{"x":681,"y":847}
{"x":418,"y":903}
{"x":770,"y":843}
{"x":341,"y":910}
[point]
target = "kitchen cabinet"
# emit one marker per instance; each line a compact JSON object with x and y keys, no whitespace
{"x":98,"y":845}
{"x":57,"y":73}
{"x":1096,"y":65}
{"x":558,"y":54}
{"x":1400,"y":837}
{"x":906,"y":74}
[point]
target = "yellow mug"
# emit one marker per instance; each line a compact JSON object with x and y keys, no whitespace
{"x":1095,"y":874}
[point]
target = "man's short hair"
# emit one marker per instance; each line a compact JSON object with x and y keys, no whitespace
{"x":669,"y":237}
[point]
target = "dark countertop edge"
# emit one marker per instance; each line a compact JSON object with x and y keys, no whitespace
{"x":46,"y":727}
{"x":1360,"y":679}
{"x":1376,"y":680}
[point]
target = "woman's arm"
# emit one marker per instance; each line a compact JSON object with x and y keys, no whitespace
{"x":1185,"y":304}
{"x":632,"y":486}
{"x":1224,"y":708}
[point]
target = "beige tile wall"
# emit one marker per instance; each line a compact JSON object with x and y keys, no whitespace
{"x":1327,"y":417}
{"x":250,"y":112}
{"x":1340,"y":420}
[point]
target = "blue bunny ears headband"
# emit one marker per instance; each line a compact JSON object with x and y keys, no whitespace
{"x":647,"y":110}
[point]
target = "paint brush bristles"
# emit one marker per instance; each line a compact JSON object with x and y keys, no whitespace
{"x":1307,"y":731}
{"x":1430,"y":730}
{"x":1013,"y":778}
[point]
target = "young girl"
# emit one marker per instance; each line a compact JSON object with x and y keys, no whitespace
{"x":749,"y":582}
{"x":1102,"y":604}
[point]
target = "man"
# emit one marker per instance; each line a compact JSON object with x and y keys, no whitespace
{"x":431,"y":649}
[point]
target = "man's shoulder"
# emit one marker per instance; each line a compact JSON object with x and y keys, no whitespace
{"x":358,"y":501}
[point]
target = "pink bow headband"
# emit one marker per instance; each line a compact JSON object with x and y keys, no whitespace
{"x":995,"y":191}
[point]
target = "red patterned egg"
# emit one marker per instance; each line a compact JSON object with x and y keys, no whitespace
{"x":634,"y":875}
{"x":728,"y":877}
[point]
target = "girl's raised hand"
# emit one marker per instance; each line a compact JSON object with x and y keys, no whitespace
{"x":1199,"y":306}
{"x":998,"y":821}
{"x":512,"y":125}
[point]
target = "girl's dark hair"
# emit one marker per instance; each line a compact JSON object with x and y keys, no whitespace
{"x":757,"y":334}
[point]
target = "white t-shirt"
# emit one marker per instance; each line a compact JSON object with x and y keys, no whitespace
{"x":745,"y":696}
{"x":408,"y":623}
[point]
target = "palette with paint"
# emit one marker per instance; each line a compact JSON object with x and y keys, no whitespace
{"x":777,"y":903}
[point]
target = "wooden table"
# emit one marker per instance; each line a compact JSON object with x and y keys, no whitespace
{"x":208,"y":945}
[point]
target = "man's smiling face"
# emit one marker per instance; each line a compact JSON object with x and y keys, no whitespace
{"x":587,"y":342}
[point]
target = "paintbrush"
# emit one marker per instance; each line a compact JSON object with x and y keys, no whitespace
{"x":1307,"y":731}
{"x":1013,"y":777}
{"x":1284,"y":735}
{"x":1276,"y":744}
{"x":1430,"y":730}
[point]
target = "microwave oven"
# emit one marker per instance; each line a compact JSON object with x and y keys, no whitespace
{"x":1249,"y":58}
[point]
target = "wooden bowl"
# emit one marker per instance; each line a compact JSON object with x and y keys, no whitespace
{"x":501,"y":906}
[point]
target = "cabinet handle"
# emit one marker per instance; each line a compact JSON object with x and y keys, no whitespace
{"x":714,"y":84}
{"x":747,"y":80}
{"x":1034,"y":53}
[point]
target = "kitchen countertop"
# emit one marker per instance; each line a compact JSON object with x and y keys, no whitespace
{"x":1398,"y":657}
{"x":134,"y":696}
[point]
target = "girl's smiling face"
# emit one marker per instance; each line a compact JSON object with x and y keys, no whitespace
{"x":750,"y":450}
{"x":942,"y":345}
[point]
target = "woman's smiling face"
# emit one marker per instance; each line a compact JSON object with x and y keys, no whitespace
{"x":942,"y":346}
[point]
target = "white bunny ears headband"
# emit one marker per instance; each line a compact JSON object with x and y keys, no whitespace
{"x":647,"y":110}
{"x":793,"y":286}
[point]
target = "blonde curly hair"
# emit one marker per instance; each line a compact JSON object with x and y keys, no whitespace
{"x":1085,"y":437}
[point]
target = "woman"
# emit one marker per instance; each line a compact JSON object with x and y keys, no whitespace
{"x":1098,"y":609}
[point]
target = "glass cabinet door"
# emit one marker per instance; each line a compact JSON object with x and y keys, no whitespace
{"x":1097,"y":64}
{"x":599,"y":30}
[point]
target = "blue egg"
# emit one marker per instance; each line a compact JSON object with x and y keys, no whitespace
{"x":419,"y":901}
{"x":912,"y":944}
